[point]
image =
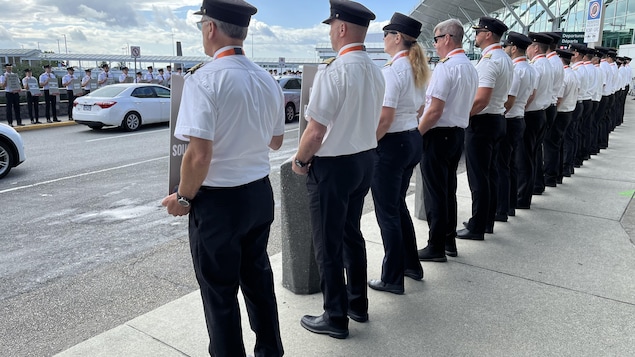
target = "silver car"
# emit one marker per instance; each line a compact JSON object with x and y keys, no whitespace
{"x":11,"y":149}
{"x":291,"y":87}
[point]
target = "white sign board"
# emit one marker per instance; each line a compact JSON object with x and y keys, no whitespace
{"x":594,"y":17}
{"x":135,"y":51}
{"x":33,"y":86}
{"x":281,"y":62}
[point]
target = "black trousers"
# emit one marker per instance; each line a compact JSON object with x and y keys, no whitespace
{"x":599,"y":123}
{"x":535,"y":122}
{"x":606,"y":123}
{"x":337,"y":187}
{"x":50,"y":104}
{"x":507,"y":166}
{"x":550,"y":116}
{"x":13,"y":108}
{"x":33,"y":105}
{"x":69,"y":108}
{"x":553,"y":146}
{"x":229,"y":232}
{"x":442,"y":149}
{"x":593,"y":129}
{"x":397,"y":156}
{"x":624,"y":96}
{"x":584,"y":149}
{"x":481,"y":138}
{"x":572,"y":140}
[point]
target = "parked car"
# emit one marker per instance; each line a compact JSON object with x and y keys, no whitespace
{"x":291,"y":87}
{"x":11,"y":149}
{"x":128,"y":105}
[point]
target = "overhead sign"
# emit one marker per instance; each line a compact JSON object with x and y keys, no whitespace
{"x":135,"y":51}
{"x":594,"y":17}
{"x":572,"y":37}
{"x":281,"y":62}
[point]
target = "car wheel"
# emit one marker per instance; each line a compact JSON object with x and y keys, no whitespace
{"x":6,"y":159}
{"x":289,"y":112}
{"x":131,"y":122}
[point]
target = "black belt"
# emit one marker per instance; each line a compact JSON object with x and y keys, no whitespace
{"x":402,"y":132}
{"x":212,"y":188}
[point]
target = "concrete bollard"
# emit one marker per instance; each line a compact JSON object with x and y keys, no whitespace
{"x":420,"y":208}
{"x":300,"y":273}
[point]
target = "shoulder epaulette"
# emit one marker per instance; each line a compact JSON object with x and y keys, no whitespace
{"x":328,"y":61}
{"x":442,"y":60}
{"x":193,"y":69}
{"x":489,"y":55}
{"x":388,"y":64}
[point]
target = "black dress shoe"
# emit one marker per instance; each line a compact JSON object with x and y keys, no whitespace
{"x":511,"y":212}
{"x":427,"y":255}
{"x":451,"y":251}
{"x":317,"y":324}
{"x":49,"y":121}
{"x":550,"y":184}
{"x":500,"y":217}
{"x":487,"y":230}
{"x":467,"y":234}
{"x":537,"y":192}
{"x":414,"y":274}
{"x":56,"y":120}
{"x":20,"y":124}
{"x":361,"y":318}
{"x":559,"y":180}
{"x":381,"y":286}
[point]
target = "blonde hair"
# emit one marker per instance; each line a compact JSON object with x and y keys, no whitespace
{"x":418,"y":61}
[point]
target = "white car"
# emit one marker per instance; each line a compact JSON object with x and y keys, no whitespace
{"x":291,"y":87}
{"x":128,"y":105}
{"x":11,"y":149}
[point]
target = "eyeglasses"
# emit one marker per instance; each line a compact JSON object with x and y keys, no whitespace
{"x":200,"y":24}
{"x":436,"y":38}
{"x":386,"y":33}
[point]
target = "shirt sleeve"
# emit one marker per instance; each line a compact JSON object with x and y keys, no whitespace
{"x":278,"y":128}
{"x":197,"y":113}
{"x":440,"y":84}
{"x":323,"y":95}
{"x":391,"y":95}
{"x":517,"y":78}
{"x":487,"y":73}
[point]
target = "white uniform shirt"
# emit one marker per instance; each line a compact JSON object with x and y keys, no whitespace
{"x":43,"y":79}
{"x":568,"y":91}
{"x":495,"y":70}
{"x":168,"y":77}
{"x":544,"y":71}
{"x":401,"y":93}
{"x":67,"y":78}
{"x":607,"y":89}
{"x":86,"y":82}
{"x":592,"y":87}
{"x":148,"y":77}
{"x":616,"y":77}
{"x":624,"y":76}
{"x":584,"y":79}
{"x":347,"y":97}
{"x":239,"y":107}
{"x":600,"y":82}
{"x":558,"y":74}
{"x":160,"y":78}
{"x":454,"y":81}
{"x":122,"y":77}
{"x":523,"y":84}
{"x":104,"y":75}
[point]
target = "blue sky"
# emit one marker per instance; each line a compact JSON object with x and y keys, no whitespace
{"x":281,"y":28}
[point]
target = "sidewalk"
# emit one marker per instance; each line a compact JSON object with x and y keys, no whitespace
{"x":556,"y":280}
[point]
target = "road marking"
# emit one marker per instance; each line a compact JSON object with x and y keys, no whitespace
{"x":81,"y":175}
{"x":123,"y":136}
{"x":290,"y":130}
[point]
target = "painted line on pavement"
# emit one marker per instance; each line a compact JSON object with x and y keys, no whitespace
{"x":123,"y":136}
{"x":81,"y":175}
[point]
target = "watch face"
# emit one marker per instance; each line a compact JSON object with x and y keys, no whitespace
{"x":183,"y":202}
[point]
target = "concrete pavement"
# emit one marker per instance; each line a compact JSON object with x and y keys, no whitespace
{"x":556,"y":280}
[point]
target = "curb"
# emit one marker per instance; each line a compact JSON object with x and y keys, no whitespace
{"x":29,"y":127}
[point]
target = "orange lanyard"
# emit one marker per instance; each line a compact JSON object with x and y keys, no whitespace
{"x":351,"y":49}
{"x":455,"y":52}
{"x":230,"y":52}
{"x":497,"y":47}
{"x":520,"y":59}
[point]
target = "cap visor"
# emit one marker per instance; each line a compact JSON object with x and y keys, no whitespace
{"x":328,"y":21}
{"x":199,"y":12}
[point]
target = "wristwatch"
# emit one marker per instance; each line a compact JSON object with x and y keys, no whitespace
{"x":183,"y":201}
{"x":299,"y":163}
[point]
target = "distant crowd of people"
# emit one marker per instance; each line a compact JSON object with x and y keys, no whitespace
{"x":47,"y":86}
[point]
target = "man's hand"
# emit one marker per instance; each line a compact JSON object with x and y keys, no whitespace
{"x":173,"y":206}
{"x":299,"y":170}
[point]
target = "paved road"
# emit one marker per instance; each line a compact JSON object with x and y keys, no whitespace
{"x":85,"y":243}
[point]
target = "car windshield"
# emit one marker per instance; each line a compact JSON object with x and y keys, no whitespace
{"x":107,"y":92}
